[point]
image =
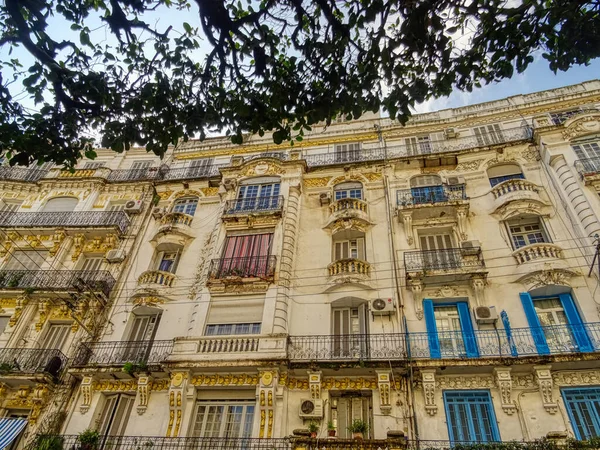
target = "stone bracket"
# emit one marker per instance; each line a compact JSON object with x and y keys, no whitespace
{"x":266,"y":392}
{"x":504,"y":382}
{"x":428,"y":381}
{"x":416,"y":286}
{"x":384,"y":385}
{"x":314,"y":382}
{"x":144,"y":388}
{"x":86,"y":394}
{"x":177,"y":389}
{"x":406,"y":217}
{"x":543,"y":377}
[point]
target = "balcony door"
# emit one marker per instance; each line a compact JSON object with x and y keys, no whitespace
{"x":114,"y":417}
{"x":57,"y":336}
{"x":427,"y":189}
{"x":348,"y":407}
{"x":347,"y":152}
{"x":437,"y":254}
{"x":350,"y":339}
{"x":223,"y":424}
{"x":141,"y":336}
{"x":246,"y":255}
{"x":258,"y":196}
{"x":447,"y":321}
{"x":199,"y":168}
{"x":450,"y":332}
{"x":92,"y":263}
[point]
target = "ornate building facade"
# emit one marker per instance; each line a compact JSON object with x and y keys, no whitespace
{"x":430,"y":280}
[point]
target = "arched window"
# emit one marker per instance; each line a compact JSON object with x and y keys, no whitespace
{"x":351,"y":189}
{"x":186,"y":205}
{"x":61,"y":204}
{"x":427,"y":189}
{"x":503,"y":172}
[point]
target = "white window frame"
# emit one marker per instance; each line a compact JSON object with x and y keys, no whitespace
{"x":525,"y":233}
{"x":419,"y":145}
{"x":172,"y":256}
{"x":488,"y":134}
{"x":218,"y":428}
{"x":141,"y":165}
{"x":184,"y":204}
{"x":352,"y":248}
{"x":232,"y":329}
{"x":93,"y":165}
{"x":347,"y":152}
{"x":112,"y":406}
{"x":91,"y":262}
{"x":57,"y":335}
{"x":586,"y":150}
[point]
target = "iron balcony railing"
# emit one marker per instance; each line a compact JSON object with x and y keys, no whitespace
{"x":347,"y":347}
{"x":190,"y":173}
{"x":444,"y":259}
{"x":245,"y":267}
{"x":121,"y":352}
{"x":254,"y":204}
{"x":327,"y":159}
{"x":21,"y":174}
{"x":68,"y":219}
{"x":58,"y":280}
{"x":31,"y":361}
{"x":146,"y":174}
{"x":430,"y":194}
{"x":588,"y":166}
{"x":70,"y":442}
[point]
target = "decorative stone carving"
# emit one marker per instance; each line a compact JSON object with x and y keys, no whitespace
{"x":44,"y":307}
{"x":236,"y":379}
{"x":547,"y":277}
{"x":465,"y":382}
{"x":583,"y":378}
{"x":266,"y":390}
{"x":57,"y":238}
{"x":143,"y":393}
{"x":86,"y":394}
{"x":314,"y":381}
{"x":316,"y":182}
{"x":428,"y":382}
{"x":462,"y":214}
{"x":406,"y":217}
{"x":504,"y":383}
{"x":446,"y":291}
{"x":384,"y":385}
{"x":78,"y":243}
{"x":581,"y":126}
{"x":416,"y":286}
{"x":349,"y":224}
{"x":543,"y":377}
{"x":478,"y":285}
{"x":177,"y":397}
{"x":21,"y":302}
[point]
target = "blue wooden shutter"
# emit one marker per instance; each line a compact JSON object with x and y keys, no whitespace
{"x":509,"y":335}
{"x":432,"y":336}
{"x":575,"y":324}
{"x":537,"y":331}
{"x":468,"y":333}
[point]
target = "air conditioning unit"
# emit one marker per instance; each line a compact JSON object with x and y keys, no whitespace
{"x":229,"y":184}
{"x":485,"y":314}
{"x":133,"y":206}
{"x":311,"y":408}
{"x":470,"y":247}
{"x":325,"y":198}
{"x":382,"y":306}
{"x":115,"y":256}
{"x":158,"y":212}
{"x":454,"y":181}
{"x":450,"y":133}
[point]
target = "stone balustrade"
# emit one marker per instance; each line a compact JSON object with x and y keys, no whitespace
{"x":157,"y":277}
{"x":176,"y":218}
{"x":514,"y":185}
{"x":230,"y":344}
{"x":345,"y":204}
{"x":349,"y":267}
{"x":537,"y":251}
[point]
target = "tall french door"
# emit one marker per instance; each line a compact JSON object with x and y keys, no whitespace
{"x":141,"y":338}
{"x":114,"y":417}
{"x":348,"y":407}
{"x":258,"y":196}
{"x":437,"y":254}
{"x":350,"y":339}
{"x":246,"y":255}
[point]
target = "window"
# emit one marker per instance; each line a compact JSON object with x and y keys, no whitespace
{"x":186,"y":205}
{"x":347,"y":406}
{"x":350,"y":332}
{"x":141,"y":165}
{"x":470,"y":416}
{"x":349,"y":249}
{"x":437,"y":252}
{"x":583,"y":407}
{"x":427,"y":189}
{"x":418,"y":145}
{"x":143,"y":327}
{"x":11,"y":206}
{"x":555,"y":324}
{"x":260,"y":193}
{"x":93,"y":165}
{"x":199,"y":167}
{"x":117,"y":206}
{"x":224,"y":419}
{"x":526,"y":231}
{"x":167,"y":261}
{"x":61,"y":204}
{"x":489,"y":134}
{"x":450,"y":330}
{"x":504,"y":172}
{"x":232,"y":328}
{"x":57,"y":335}
{"x":587,"y":150}
{"x":92,"y":263}
{"x":247,"y":255}
{"x":115,"y":414}
{"x":26,"y":260}
{"x":348,"y":190}
{"x":347,"y":152}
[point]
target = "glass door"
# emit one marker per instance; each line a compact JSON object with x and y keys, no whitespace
{"x":554,"y":322}
{"x":437,"y":252}
{"x":447,"y":320}
{"x":350,"y":338}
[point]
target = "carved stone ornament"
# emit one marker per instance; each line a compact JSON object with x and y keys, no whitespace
{"x":465,"y":382}
{"x":143,"y":393}
{"x":177,"y":399}
{"x":547,"y":277}
{"x":543,"y":377}
{"x":581,"y":126}
{"x":579,"y":378}
{"x":86,"y":394}
{"x":316,"y":182}
{"x":314,"y":381}
{"x":267,"y":390}
{"x":384,"y":385}
{"x":504,"y":382}
{"x":416,"y":287}
{"x":446,"y":291}
{"x":428,"y":383}
{"x":407,"y":221}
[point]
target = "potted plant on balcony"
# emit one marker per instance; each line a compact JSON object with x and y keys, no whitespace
{"x":6,"y":367}
{"x":330,"y":429}
{"x":129,"y":368}
{"x":358,"y":428}
{"x":313,"y":427}
{"x":48,"y":442}
{"x":88,"y":439}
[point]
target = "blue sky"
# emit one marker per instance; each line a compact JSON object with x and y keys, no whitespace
{"x":537,"y":77}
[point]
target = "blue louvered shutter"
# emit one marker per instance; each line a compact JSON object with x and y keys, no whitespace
{"x":575,"y":324}
{"x":537,"y":332}
{"x":468,"y":333}
{"x":432,"y":335}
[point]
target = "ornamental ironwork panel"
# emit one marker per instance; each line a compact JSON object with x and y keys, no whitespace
{"x":444,"y":259}
{"x":190,"y":173}
{"x":326,"y":159}
{"x":249,"y":266}
{"x":121,"y":352}
{"x":253,"y":204}
{"x":430,"y":194}
{"x":21,"y":174}
{"x":145,"y":174}
{"x":58,"y":280}
{"x":67,"y":219}
{"x":32,"y":360}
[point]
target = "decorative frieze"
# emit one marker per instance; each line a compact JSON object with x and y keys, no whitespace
{"x":465,"y":382}
{"x":579,"y":378}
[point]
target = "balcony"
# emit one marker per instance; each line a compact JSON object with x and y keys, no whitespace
{"x":349,"y":267}
{"x":534,"y":252}
{"x":347,"y":208}
{"x":356,"y":156}
{"x":157,"y":277}
{"x":100,"y":281}
{"x":588,"y":169}
{"x":171,"y":225}
{"x":245,"y":267}
{"x":431,"y":195}
{"x":18,"y":362}
{"x":434,"y":264}
{"x":117,"y":220}
{"x":21,"y":174}
{"x":282,"y":156}
{"x":516,"y":189}
{"x":240,"y":210}
{"x":364,"y":347}
{"x":426,"y":148}
{"x":228,"y":348}
{"x":128,"y":175}
{"x":190,"y":173}
{"x":117,"y":353}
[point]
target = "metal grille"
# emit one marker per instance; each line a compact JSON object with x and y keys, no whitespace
{"x":587,"y":166}
{"x":80,"y":219}
{"x":121,"y":352}
{"x":347,"y":347}
{"x":21,"y":174}
{"x":58,"y":280}
{"x":430,"y":194}
{"x":254,"y":204}
{"x":32,"y":360}
{"x":142,"y":174}
{"x":190,"y":173}
{"x":443,"y":259}
{"x":249,"y":266}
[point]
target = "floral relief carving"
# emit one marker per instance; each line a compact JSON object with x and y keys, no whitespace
{"x":428,"y":383}
{"x":576,"y":378}
{"x":579,"y":127}
{"x":504,"y":383}
{"x":316,"y":182}
{"x":545,"y":384}
{"x":465,"y":382}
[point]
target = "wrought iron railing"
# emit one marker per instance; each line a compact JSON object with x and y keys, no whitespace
{"x":283,"y":156}
{"x":121,"y":352}
{"x":147,"y":174}
{"x":430,"y":194}
{"x":32,"y":360}
{"x":190,"y":173}
{"x":246,"y":267}
{"x":347,"y":347}
{"x":21,"y":174}
{"x":67,"y":219}
{"x":253,"y":204}
{"x":461,"y":143}
{"x":444,"y":259}
{"x":587,"y":166}
{"x":70,"y":442}
{"x":327,"y":159}
{"x":58,"y":280}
